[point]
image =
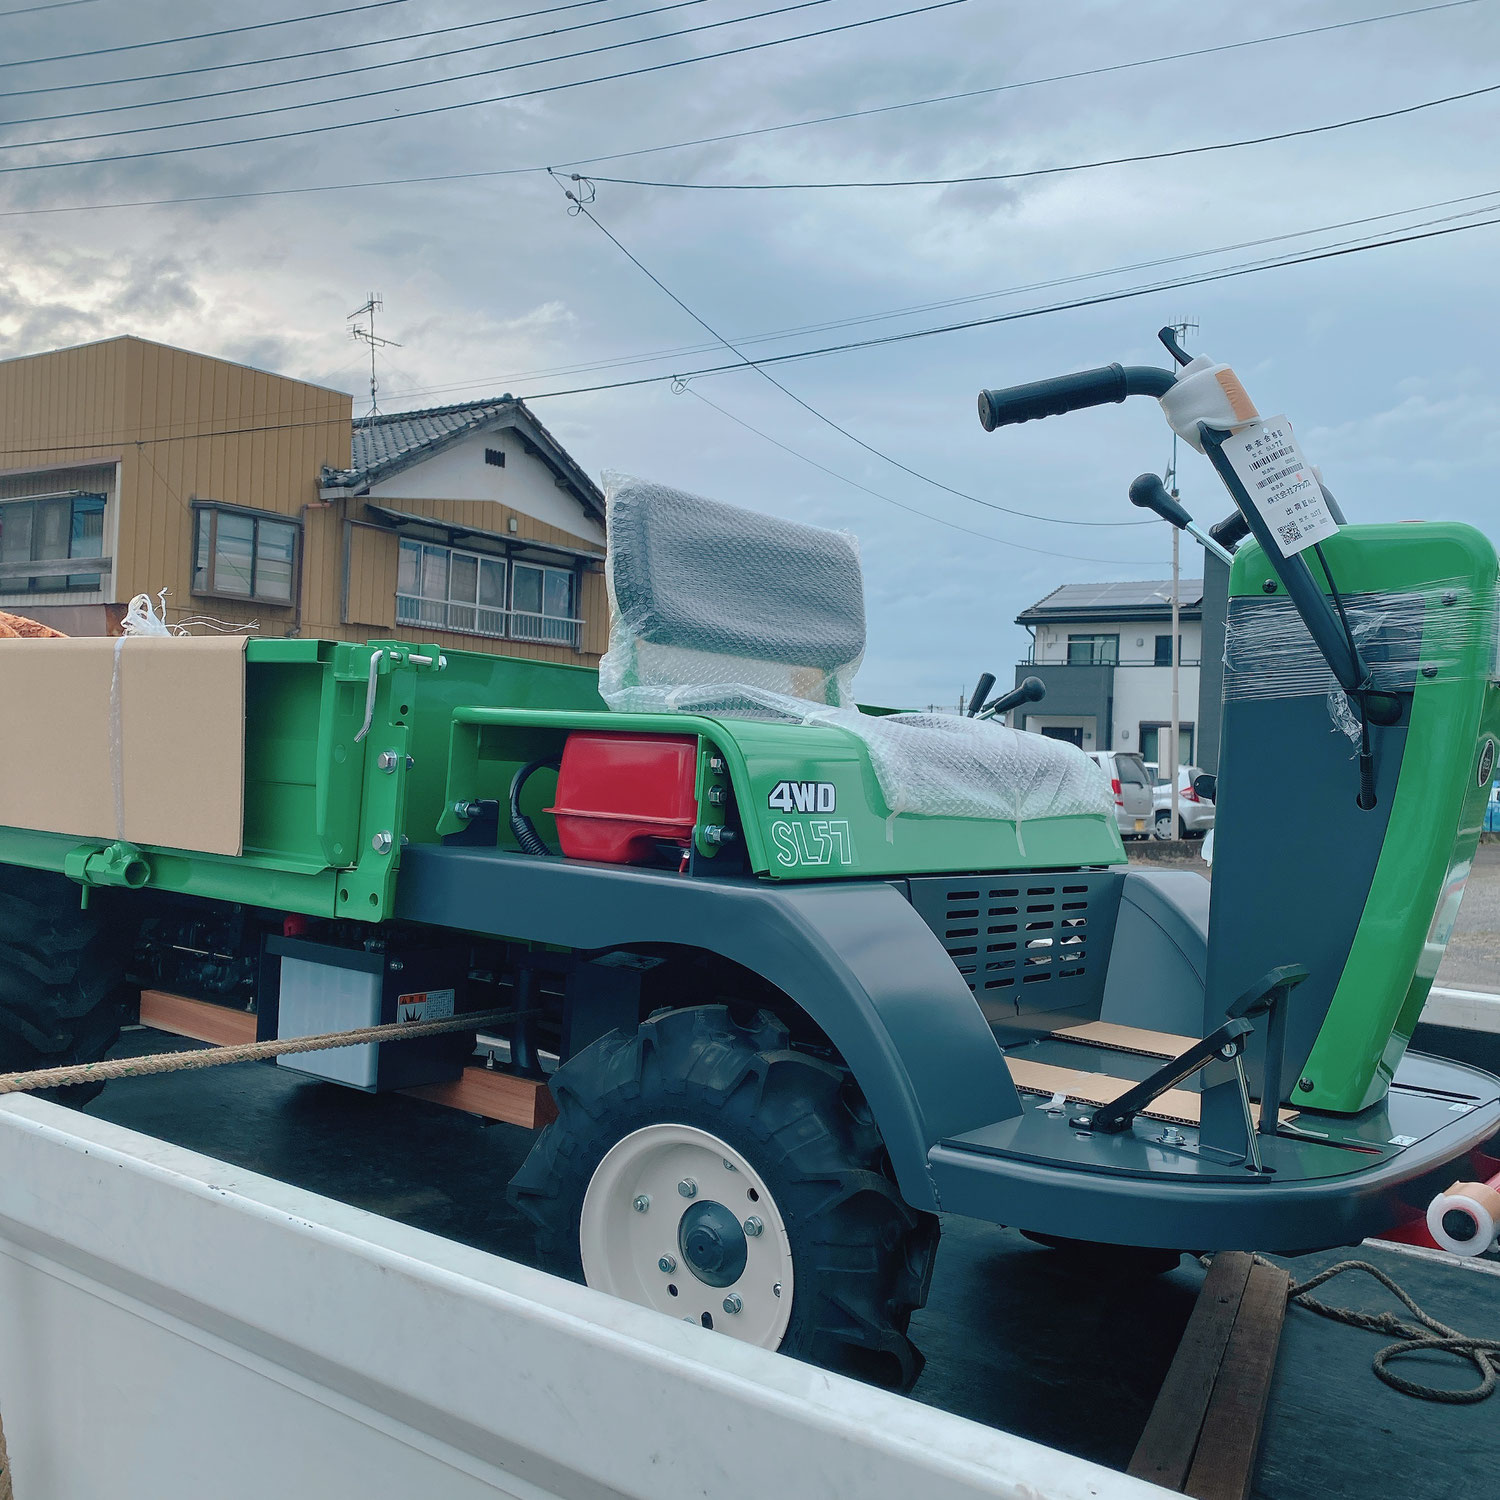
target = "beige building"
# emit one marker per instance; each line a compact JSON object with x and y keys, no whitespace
{"x":128,"y":467}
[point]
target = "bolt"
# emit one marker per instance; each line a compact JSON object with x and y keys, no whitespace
{"x":395,"y":966}
{"x":688,"y":1188}
{"x":1429,"y":671}
{"x":716,"y":764}
{"x":732,"y":1303}
{"x":716,"y":795}
{"x":753,"y":1226}
{"x":1269,"y":586}
{"x":382,"y":842}
{"x":1305,"y":1084}
{"x":667,"y":1264}
{"x":386,"y":760}
{"x":1450,"y":598}
{"x":776,"y":1290}
{"x":642,"y":1202}
{"x":729,"y":1166}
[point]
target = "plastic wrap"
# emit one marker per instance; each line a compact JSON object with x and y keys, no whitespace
{"x":730,"y":614}
{"x":1437,"y":631}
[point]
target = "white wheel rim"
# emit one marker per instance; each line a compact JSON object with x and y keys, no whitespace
{"x":623,"y":1245}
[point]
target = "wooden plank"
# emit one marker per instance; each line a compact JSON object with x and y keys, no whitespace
{"x":1117,"y":1038}
{"x":1165,"y":1452}
{"x":199,"y":1019}
{"x":495,"y":1095}
{"x":1224,"y":1463}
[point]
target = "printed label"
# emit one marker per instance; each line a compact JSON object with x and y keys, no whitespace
{"x":803,"y":796}
{"x":819,"y":841}
{"x":426,"y":1005}
{"x":1281,"y":484}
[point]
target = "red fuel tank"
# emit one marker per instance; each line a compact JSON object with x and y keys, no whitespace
{"x":619,"y":795}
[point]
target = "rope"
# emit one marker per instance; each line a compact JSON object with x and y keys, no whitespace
{"x":217,"y":1057}
{"x":1431,"y":1338}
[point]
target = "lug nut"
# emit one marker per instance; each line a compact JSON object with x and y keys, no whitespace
{"x":688,"y":1188}
{"x":667,"y":1264}
{"x":776,"y":1290}
{"x":753,"y":1226}
{"x":732,"y":1303}
{"x":642,"y":1202}
{"x":382,"y":842}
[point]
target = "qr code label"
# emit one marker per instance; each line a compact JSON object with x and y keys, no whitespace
{"x":1280,"y":483}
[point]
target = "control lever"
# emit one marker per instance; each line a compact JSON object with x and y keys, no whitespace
{"x":1231,"y":531}
{"x":981,"y":692}
{"x":1147,"y":491}
{"x":1030,"y":690}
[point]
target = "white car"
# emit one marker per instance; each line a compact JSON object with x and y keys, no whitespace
{"x":1129,"y":781}
{"x":1195,"y":814}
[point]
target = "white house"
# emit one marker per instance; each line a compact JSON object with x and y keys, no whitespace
{"x":1104,"y":651}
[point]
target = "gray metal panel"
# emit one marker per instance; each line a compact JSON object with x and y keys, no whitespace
{"x":1211,"y":672}
{"x":1032,"y":947}
{"x":1082,"y":1199}
{"x":854,"y":955}
{"x":1159,"y":958}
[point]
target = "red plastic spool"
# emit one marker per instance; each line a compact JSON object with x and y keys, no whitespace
{"x":620,"y":795}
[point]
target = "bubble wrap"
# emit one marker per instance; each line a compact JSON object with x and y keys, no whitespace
{"x":731,"y":614}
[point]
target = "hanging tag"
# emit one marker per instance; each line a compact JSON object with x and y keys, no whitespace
{"x":1281,"y":484}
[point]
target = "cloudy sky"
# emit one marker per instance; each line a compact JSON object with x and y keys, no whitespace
{"x":1387,"y":361}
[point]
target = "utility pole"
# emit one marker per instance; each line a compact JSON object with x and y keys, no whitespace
{"x":373,"y":304}
{"x":1181,"y":327}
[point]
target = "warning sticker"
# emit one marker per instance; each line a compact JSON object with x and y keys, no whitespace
{"x":426,"y":1005}
{"x":1281,"y":483}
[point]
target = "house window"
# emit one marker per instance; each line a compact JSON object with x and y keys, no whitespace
{"x":453,"y":589}
{"x":542,"y":605}
{"x":48,"y":529}
{"x":244,"y":554}
{"x":1093,"y":650}
{"x":495,"y":456}
{"x":450,"y":589}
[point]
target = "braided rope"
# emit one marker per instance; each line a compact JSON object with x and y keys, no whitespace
{"x":1431,"y":1338}
{"x":217,"y":1057}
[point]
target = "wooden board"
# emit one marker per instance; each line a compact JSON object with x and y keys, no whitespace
{"x":1117,"y":1038}
{"x":1204,"y":1431}
{"x":199,"y":1019}
{"x":495,"y":1095}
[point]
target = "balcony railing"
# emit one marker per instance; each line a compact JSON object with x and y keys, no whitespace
{"x":1187,"y":661}
{"x":14,"y":574}
{"x":493,"y":624}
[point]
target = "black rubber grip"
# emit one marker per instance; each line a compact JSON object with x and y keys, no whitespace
{"x":1231,"y":531}
{"x":1063,"y":393}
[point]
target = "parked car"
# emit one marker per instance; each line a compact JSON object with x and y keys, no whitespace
{"x":1492,"y":809}
{"x":1131,"y":784}
{"x":1195,"y":814}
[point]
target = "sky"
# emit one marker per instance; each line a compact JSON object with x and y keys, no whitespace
{"x":1387,"y":361}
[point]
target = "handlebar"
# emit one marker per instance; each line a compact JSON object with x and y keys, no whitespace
{"x":1064,"y":393}
{"x":1231,"y":531}
{"x":1030,"y":690}
{"x":980,"y":693}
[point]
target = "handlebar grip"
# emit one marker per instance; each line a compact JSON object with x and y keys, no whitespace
{"x":1062,"y":393}
{"x":1231,"y":531}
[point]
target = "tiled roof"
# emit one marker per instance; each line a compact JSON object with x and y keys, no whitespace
{"x":389,"y":442}
{"x":1106,"y":601}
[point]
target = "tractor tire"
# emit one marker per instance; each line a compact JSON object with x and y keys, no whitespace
{"x":654,"y":1129}
{"x":62,"y":992}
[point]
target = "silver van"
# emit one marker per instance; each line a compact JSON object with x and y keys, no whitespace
{"x":1135,"y":806}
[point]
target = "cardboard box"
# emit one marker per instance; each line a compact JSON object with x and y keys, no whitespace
{"x":140,"y":738}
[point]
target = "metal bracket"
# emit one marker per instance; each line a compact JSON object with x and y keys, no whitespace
{"x":1227,"y":1042}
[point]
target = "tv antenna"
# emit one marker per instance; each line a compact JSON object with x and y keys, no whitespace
{"x":367,"y":335}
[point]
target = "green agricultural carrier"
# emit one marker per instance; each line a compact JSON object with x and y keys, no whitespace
{"x":802,"y":977}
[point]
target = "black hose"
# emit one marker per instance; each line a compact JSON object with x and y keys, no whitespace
{"x":521,"y":826}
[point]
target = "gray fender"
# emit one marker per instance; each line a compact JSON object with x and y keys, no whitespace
{"x":1159,"y":959}
{"x":854,"y":955}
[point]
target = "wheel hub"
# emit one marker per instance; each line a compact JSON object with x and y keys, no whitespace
{"x":713,"y":1244}
{"x":694,"y":1257}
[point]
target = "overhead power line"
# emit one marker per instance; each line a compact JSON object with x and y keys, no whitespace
{"x":1077,"y":166}
{"x":399,"y":62}
{"x":776,"y":335}
{"x":1101,"y":299}
{"x":260,"y":62}
{"x":198,"y":36}
{"x":785,"y":125}
{"x":581,"y":206}
{"x":362,"y":95}
{"x":739,"y":365}
{"x":27,"y":10}
{"x":441,"y":109}
{"x":1113,"y":562}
